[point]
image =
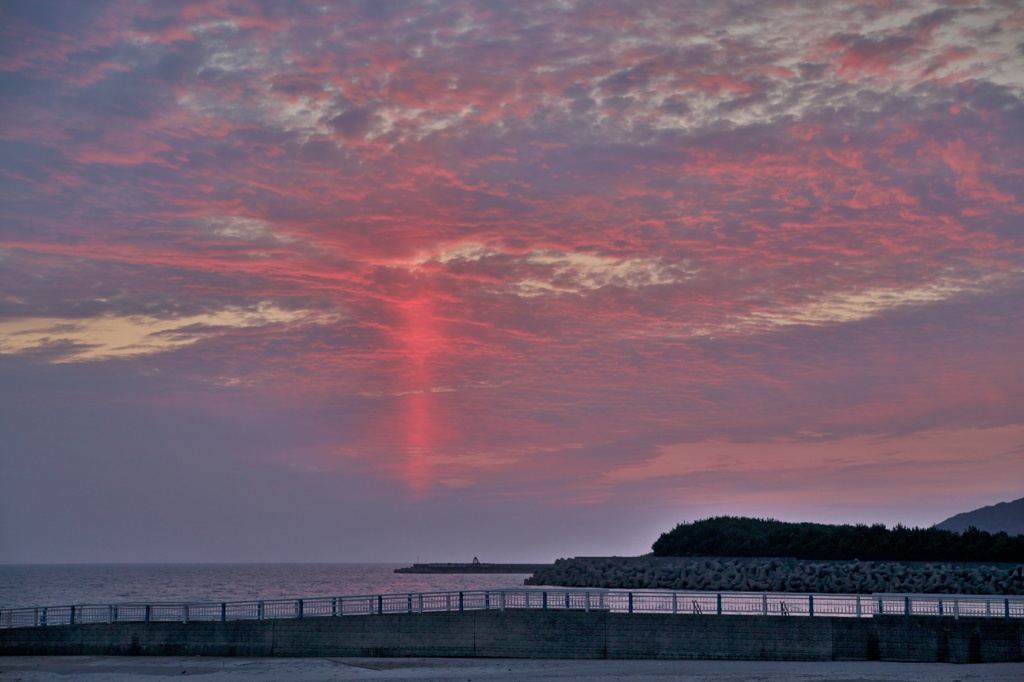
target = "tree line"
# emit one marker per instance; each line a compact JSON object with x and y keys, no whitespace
{"x":737,"y":536}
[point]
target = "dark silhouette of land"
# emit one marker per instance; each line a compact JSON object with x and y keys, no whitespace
{"x":733,"y":536}
{"x":1006,"y":517}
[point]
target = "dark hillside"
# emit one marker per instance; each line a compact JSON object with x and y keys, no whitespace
{"x":1007,"y":517}
{"x":731,"y":536}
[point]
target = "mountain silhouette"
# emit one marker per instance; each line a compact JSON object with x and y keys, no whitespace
{"x":1005,"y":516}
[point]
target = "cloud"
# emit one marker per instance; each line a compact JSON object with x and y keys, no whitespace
{"x":109,"y":336}
{"x":508,"y":250}
{"x":708,"y":472}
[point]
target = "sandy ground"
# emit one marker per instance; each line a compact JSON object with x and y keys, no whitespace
{"x":152,"y":669}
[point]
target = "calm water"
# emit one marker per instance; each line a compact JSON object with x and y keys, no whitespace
{"x":53,"y":585}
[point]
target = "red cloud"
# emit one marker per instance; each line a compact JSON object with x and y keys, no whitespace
{"x":525,"y":248}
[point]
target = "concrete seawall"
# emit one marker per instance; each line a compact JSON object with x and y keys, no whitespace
{"x":546,"y":634}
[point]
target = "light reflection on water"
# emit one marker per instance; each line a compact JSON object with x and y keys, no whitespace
{"x":51,"y":585}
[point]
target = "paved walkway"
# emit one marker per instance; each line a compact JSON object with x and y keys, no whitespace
{"x":153,"y":669}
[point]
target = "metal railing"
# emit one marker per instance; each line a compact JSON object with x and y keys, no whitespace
{"x":619,"y":601}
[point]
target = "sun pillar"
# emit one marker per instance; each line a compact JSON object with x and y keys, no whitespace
{"x":422,"y":342}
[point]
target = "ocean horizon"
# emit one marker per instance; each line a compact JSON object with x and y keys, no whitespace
{"x":29,"y":585}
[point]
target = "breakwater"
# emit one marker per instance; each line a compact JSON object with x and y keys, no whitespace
{"x":473,"y":568}
{"x":780,"y":575}
{"x":546,"y":634}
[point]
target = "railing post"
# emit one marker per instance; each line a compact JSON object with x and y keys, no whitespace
{"x":764,"y":604}
{"x":940,"y":607}
{"x":334,"y":607}
{"x":223,"y":612}
{"x":408,"y":602}
{"x":71,"y":616}
{"x":631,"y":602}
{"x":421,"y":602}
{"x":718,"y":599}
{"x":906,"y":606}
{"x":149,"y":613}
{"x":567,"y":599}
{"x":298,"y":608}
{"x":487,"y":600}
{"x":810,"y":605}
{"x":956,"y":609}
{"x":1006,"y":607}
{"x":502,"y":600}
{"x":544,"y":601}
{"x":259,"y":611}
{"x":42,"y":620}
{"x":448,"y":601}
{"x":184,"y":614}
{"x":988,"y":608}
{"x":675,"y":603}
{"x":881,"y":607}
{"x":858,"y":606}
{"x":380,"y":605}
{"x":587,"y":605}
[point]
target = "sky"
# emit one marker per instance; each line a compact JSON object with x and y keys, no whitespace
{"x":398,"y":281}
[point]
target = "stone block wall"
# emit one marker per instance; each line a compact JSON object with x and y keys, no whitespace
{"x":761,"y":638}
{"x":546,"y":634}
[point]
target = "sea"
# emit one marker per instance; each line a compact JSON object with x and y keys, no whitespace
{"x":68,"y":584}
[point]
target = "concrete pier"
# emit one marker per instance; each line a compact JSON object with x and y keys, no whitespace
{"x":473,"y":568}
